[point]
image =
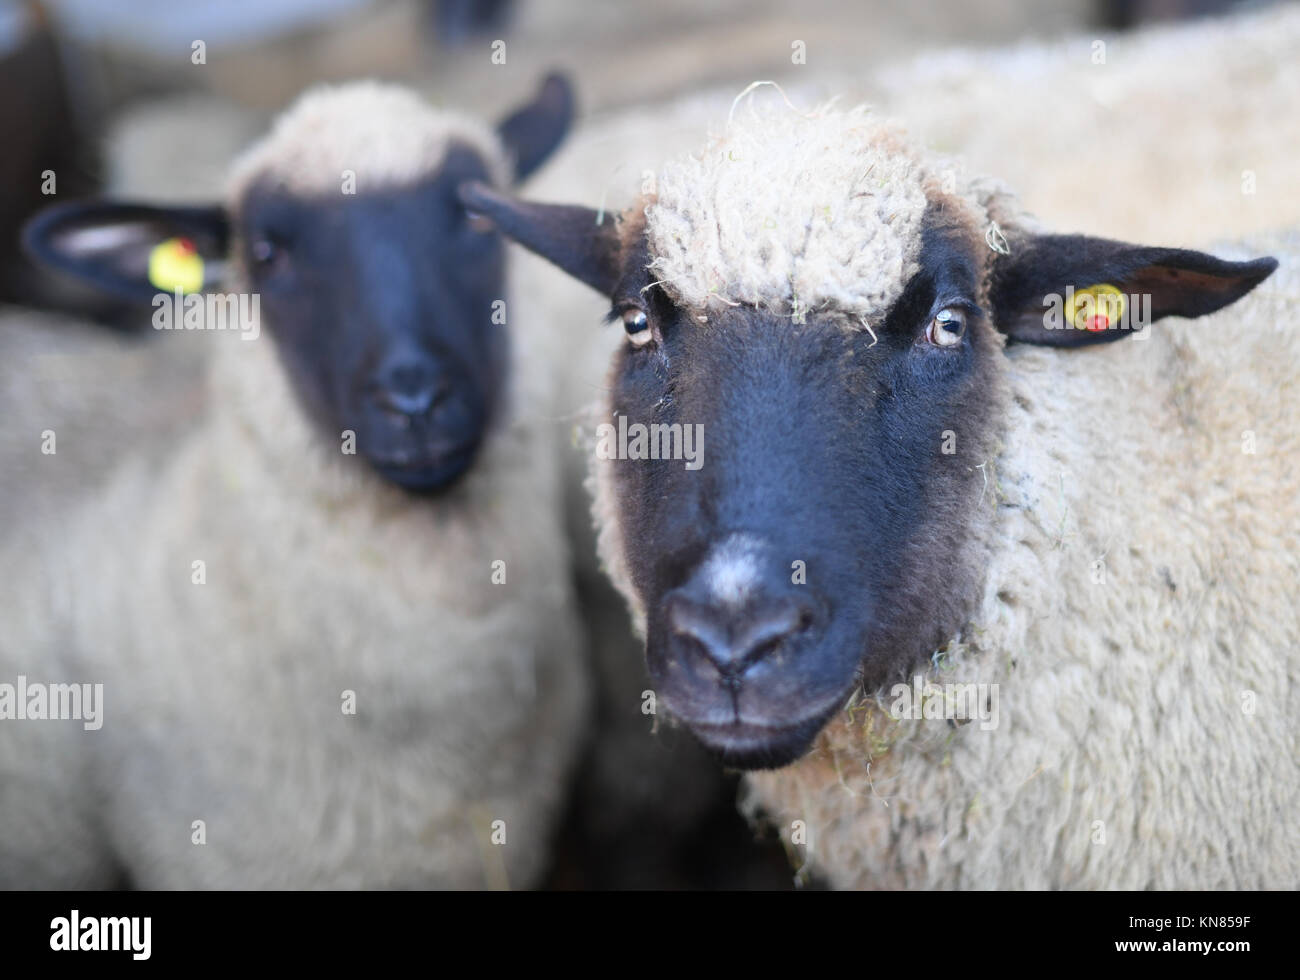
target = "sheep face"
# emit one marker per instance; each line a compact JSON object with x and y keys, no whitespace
{"x":381,"y":305}
{"x":760,"y":610}
{"x":385,"y":300}
{"x":830,"y":531}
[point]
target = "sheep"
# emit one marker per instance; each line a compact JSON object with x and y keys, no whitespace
{"x":1152,"y":97}
{"x":66,"y":376}
{"x":319,"y":668}
{"x":938,"y":451}
{"x":1178,"y":131}
{"x":987,"y":105}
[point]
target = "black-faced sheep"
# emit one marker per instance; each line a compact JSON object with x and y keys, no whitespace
{"x":334,"y":629}
{"x":921,"y":449}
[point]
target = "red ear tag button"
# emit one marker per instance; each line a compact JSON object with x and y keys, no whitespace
{"x":175,"y":264}
{"x":1095,"y":308}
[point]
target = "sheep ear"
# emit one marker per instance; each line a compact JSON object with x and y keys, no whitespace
{"x":533,"y":131}
{"x":581,"y":241}
{"x":131,"y":251}
{"x":1071,"y":290}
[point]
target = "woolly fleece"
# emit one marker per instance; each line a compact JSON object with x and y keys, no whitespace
{"x":790,"y":212}
{"x":384,"y":134}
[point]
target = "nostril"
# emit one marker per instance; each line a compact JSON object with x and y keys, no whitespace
{"x":695,"y":624}
{"x":807,"y":618}
{"x":734,"y":640}
{"x":410,"y":390}
{"x":412,"y":404}
{"x":770,"y":626}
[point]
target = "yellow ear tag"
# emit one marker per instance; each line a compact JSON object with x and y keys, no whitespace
{"x":176,"y":264}
{"x":1098,"y":307}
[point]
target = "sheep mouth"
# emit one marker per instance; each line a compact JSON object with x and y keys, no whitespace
{"x":747,"y":745}
{"x":426,"y":472}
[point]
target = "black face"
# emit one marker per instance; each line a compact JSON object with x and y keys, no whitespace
{"x":807,"y":548}
{"x":381,"y":305}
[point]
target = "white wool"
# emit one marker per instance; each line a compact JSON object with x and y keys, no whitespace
{"x":383,"y":134}
{"x":791,"y":212}
{"x":177,"y":148}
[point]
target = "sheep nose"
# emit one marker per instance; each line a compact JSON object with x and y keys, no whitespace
{"x":410,"y":388}
{"x":735,"y":639}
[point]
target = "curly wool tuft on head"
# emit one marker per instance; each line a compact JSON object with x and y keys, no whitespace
{"x":384,"y":134}
{"x":791,"y":212}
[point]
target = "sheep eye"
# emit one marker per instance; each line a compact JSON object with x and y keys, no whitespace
{"x":265,"y":254}
{"x":947,"y":328}
{"x":638,"y":327}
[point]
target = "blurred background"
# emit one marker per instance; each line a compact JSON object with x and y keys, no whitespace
{"x":91,"y":88}
{"x":152,"y":99}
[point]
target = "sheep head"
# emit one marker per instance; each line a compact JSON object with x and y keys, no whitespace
{"x":384,"y":299}
{"x":794,"y":438}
